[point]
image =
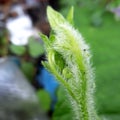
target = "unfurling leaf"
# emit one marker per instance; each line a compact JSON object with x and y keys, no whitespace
{"x":68,"y":59}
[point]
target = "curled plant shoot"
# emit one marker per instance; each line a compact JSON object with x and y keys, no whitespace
{"x":68,"y":59}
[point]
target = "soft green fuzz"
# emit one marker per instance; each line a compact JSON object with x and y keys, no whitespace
{"x":68,"y":59}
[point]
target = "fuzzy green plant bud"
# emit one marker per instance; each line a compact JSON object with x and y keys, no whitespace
{"x":68,"y":59}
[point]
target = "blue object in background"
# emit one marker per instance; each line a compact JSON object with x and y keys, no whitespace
{"x":49,"y":83}
{"x":45,"y":79}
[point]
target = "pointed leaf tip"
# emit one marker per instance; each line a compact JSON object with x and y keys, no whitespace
{"x":54,"y":17}
{"x":70,"y":15}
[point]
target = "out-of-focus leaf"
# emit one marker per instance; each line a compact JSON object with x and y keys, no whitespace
{"x":97,"y":18}
{"x":44,"y":99}
{"x":28,"y":69}
{"x":3,"y":51}
{"x":62,"y":110}
{"x":18,"y":50}
{"x":35,"y":48}
{"x":110,"y":116}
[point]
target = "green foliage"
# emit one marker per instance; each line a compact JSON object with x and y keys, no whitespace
{"x":3,"y":43}
{"x":44,"y":99}
{"x":96,"y":18}
{"x":35,"y":48}
{"x":28,"y":69}
{"x":62,"y":109}
{"x":69,"y":60}
{"x":97,"y":9}
{"x":70,"y":16}
{"x":114,"y":4}
{"x":17,"y":49}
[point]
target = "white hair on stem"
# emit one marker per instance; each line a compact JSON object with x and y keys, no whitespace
{"x":69,"y":61}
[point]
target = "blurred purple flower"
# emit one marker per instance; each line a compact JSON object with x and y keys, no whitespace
{"x":115,"y":11}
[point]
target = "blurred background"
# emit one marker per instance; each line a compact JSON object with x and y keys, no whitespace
{"x":21,"y":21}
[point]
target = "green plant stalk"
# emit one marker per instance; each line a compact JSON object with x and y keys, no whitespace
{"x":68,"y":59}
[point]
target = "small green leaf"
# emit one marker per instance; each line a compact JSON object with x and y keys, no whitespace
{"x":66,"y":72}
{"x":44,"y":38}
{"x":52,"y":37}
{"x":60,"y":63}
{"x":54,"y":17}
{"x":28,"y":69}
{"x":70,"y":15}
{"x":35,"y":48}
{"x":18,"y":50}
{"x":44,"y":99}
